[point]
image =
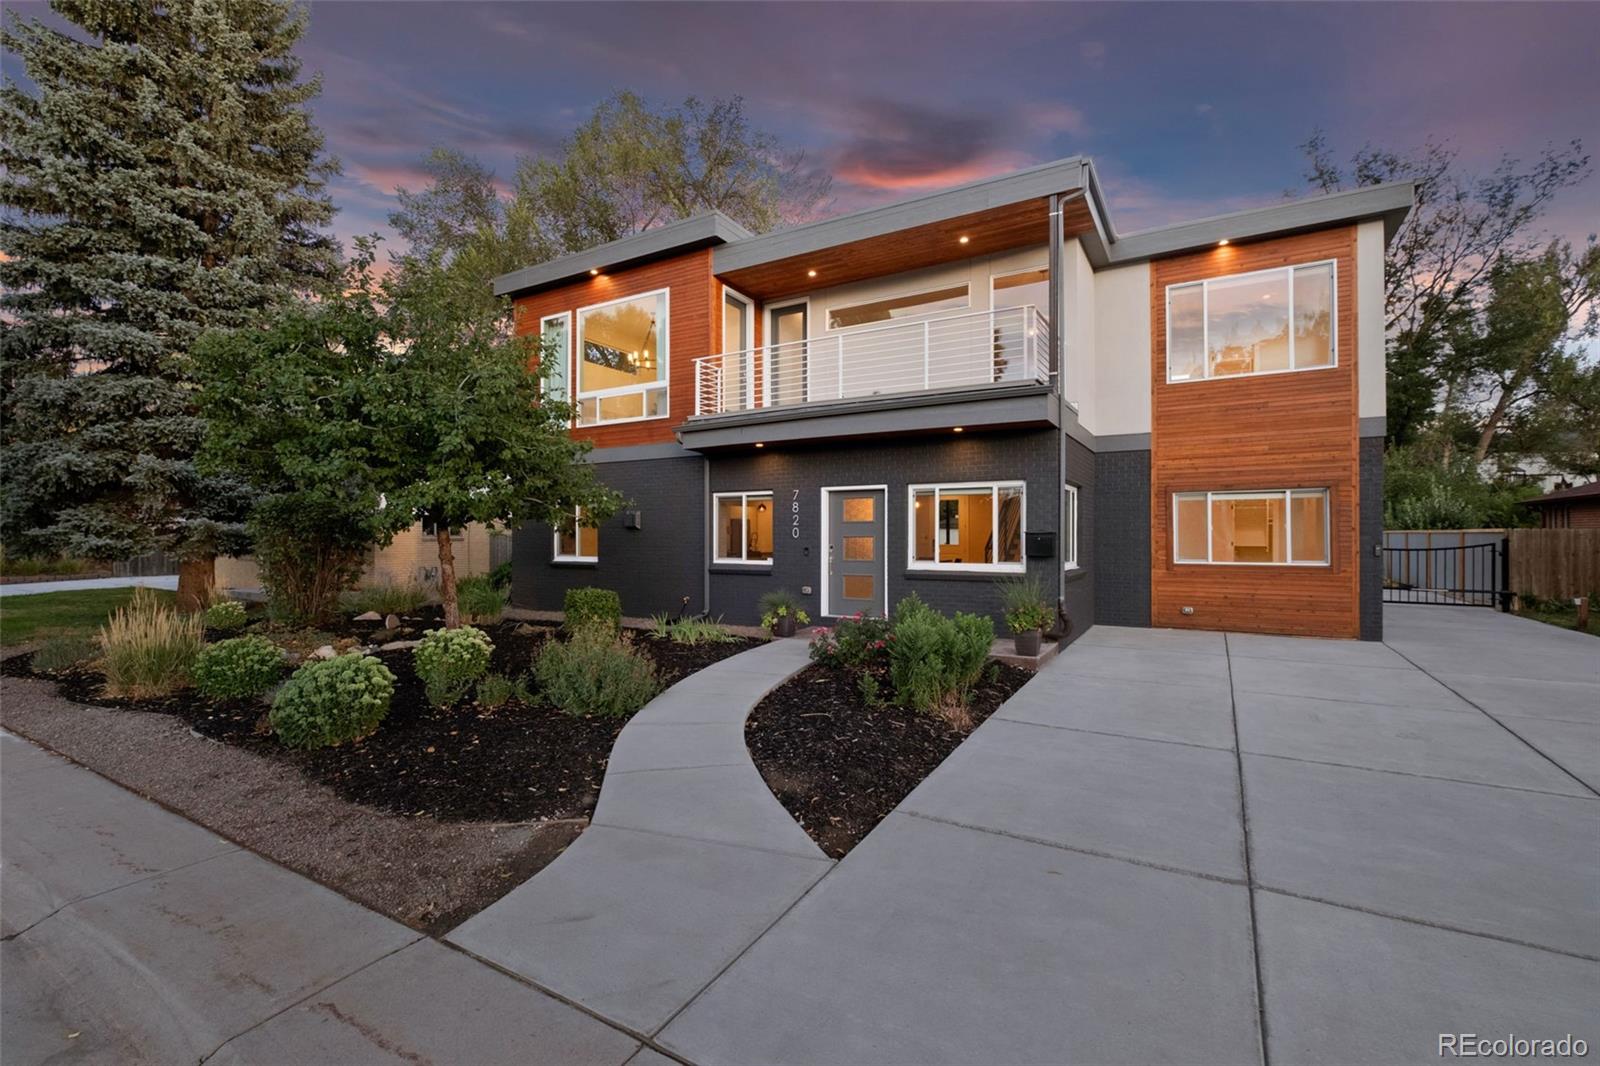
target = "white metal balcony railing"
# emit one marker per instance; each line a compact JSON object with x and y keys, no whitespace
{"x":1008,"y":344}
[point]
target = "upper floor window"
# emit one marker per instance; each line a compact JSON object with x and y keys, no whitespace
{"x":1265,"y":322}
{"x":908,"y":306}
{"x":1279,"y":527}
{"x":555,"y":331}
{"x":622,"y":360}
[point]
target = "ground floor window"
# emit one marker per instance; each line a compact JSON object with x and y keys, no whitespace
{"x":576,"y":542}
{"x":1277,"y":527}
{"x":1069,"y":527}
{"x":970,"y":526}
{"x":742,"y":527}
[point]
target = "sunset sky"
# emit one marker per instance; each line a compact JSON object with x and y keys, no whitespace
{"x":1186,"y":109}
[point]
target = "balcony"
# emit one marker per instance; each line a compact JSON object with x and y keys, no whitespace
{"x":975,"y":350}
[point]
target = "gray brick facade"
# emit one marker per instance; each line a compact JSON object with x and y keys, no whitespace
{"x":1371,"y":474}
{"x":1122,"y":538}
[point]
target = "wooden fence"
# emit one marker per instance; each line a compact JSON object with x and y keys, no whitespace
{"x":1555,"y":564}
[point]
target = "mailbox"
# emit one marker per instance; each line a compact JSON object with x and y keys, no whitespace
{"x":1040,"y":545}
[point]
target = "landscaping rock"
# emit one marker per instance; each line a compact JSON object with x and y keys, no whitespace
{"x":324,"y":652}
{"x":392,"y":622}
{"x":524,"y":630}
{"x":398,"y":645}
{"x":370,"y":616}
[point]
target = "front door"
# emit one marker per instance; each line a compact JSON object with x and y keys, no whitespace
{"x":855,"y":562}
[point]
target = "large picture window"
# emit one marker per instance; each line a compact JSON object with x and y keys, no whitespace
{"x":908,"y":306}
{"x":1069,"y":527}
{"x":743,"y":527}
{"x":967,"y":526}
{"x":622,"y":360}
{"x":1278,"y":527}
{"x":1265,"y":322}
{"x":576,"y":542}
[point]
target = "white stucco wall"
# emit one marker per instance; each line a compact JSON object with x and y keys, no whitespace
{"x":1371,"y":368}
{"x":1121,"y":352}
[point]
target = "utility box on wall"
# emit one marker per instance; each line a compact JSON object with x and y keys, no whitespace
{"x":1040,"y":545}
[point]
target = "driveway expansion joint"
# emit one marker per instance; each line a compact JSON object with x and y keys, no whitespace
{"x":1249,"y":875}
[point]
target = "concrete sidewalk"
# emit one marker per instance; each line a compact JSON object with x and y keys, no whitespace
{"x":37,"y":588}
{"x":131,"y":935}
{"x":1184,"y":846}
{"x":689,"y":860}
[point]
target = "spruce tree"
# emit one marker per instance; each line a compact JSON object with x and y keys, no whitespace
{"x":162,"y":176}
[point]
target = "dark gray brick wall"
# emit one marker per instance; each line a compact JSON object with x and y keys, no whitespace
{"x":1079,"y":597}
{"x":1371,"y":474}
{"x":652,"y":568}
{"x":1122,"y":538}
{"x":1032,"y":456}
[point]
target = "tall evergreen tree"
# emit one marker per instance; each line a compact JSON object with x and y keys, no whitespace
{"x":161,"y":177}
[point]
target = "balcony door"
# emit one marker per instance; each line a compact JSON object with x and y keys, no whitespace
{"x":786,"y":354}
{"x":738,"y":364}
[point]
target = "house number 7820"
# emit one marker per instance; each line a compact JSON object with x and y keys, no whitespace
{"x":794,"y":511}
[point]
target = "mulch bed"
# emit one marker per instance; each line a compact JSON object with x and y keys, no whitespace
{"x":838,"y":766}
{"x":428,"y":781}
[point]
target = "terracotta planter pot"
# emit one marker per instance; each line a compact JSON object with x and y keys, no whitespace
{"x":785,"y":626}
{"x":1027,"y":642}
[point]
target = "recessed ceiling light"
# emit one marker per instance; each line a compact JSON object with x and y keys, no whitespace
{"x":811,"y":273}
{"x":1222,"y":243}
{"x":760,"y":444}
{"x":593,"y":271}
{"x":964,"y":240}
{"x":960,"y":429}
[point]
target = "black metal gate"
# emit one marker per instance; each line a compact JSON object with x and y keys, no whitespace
{"x":1458,"y":575}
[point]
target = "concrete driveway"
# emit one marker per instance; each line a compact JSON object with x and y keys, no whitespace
{"x":1197,"y":847}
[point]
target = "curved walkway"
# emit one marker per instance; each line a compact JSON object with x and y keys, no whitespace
{"x":688,"y":861}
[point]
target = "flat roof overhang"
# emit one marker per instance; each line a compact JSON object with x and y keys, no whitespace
{"x":995,"y":215}
{"x":1018,"y":406}
{"x":701,"y":231}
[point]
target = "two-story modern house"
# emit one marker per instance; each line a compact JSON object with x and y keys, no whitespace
{"x":1175,"y":427}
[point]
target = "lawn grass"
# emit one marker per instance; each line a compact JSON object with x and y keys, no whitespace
{"x":82,"y":610}
{"x":1564,"y":615}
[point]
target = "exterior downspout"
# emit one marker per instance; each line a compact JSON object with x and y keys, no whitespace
{"x":1058,"y":367}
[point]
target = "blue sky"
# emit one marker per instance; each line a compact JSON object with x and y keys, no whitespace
{"x":1187,"y":109}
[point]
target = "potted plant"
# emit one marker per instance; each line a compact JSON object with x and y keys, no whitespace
{"x":781,"y":611}
{"x":1027,"y":613}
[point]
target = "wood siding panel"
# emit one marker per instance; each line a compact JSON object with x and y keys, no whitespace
{"x":1292,"y":430}
{"x":694,"y":328}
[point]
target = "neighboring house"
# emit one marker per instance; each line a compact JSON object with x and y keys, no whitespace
{"x":1577,"y":508}
{"x":1177,"y":427}
{"x":412,"y":557}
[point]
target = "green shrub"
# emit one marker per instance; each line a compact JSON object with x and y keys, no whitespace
{"x":225,"y":615}
{"x":387,"y":598}
{"x":936,"y":660}
{"x":690,"y":630}
{"x":480,"y":599}
{"x":1024,"y":603}
{"x":330,"y":701}
{"x":238,"y":668}
{"x":450,"y":660}
{"x":63,"y":651}
{"x":593,"y":607}
{"x":500,"y":576}
{"x":149,"y":647}
{"x":594,"y":673}
{"x":497,"y":690}
{"x":779,"y":604}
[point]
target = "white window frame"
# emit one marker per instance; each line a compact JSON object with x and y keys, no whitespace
{"x":744,"y":499}
{"x":965,"y":488}
{"x":567,"y":393}
{"x":752,"y":322}
{"x":1069,"y":526}
{"x":1287,"y":496}
{"x":662,"y":356}
{"x":577,"y":542}
{"x":1045,"y":310}
{"x":768,"y":343}
{"x":827,"y":312}
{"x":1205,"y":323}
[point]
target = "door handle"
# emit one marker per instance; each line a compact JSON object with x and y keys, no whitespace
{"x":830,"y":560}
